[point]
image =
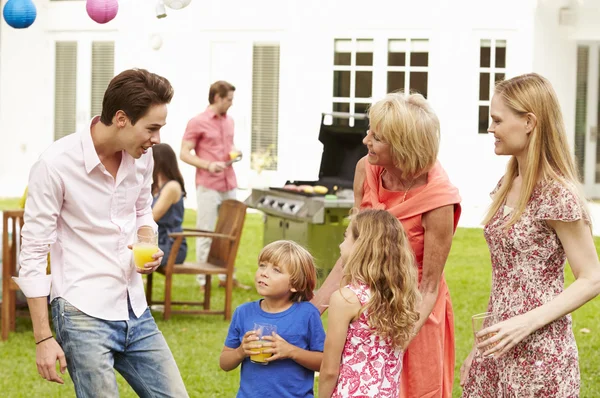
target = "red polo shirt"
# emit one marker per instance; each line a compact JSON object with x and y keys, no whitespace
{"x":212,"y":135}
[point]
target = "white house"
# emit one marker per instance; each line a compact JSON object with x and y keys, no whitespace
{"x":292,"y":60}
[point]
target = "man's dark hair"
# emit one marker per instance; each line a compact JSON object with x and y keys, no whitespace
{"x":134,"y":91}
{"x":220,"y":88}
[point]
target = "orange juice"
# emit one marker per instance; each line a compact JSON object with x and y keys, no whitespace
{"x":142,"y":253}
{"x":261,"y":358}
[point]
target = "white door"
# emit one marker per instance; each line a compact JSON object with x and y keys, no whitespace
{"x":587,"y":117}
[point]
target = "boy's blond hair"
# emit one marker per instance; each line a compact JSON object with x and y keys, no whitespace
{"x":297,"y":261}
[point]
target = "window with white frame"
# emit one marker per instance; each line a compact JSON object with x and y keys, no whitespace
{"x":365,"y":66}
{"x":408,"y":65}
{"x":83,"y":70}
{"x":352,"y":76}
{"x":492,"y":69}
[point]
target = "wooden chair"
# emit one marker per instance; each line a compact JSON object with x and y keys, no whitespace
{"x":11,"y":224}
{"x":221,"y":259}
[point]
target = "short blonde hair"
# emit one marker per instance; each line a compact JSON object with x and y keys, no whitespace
{"x":410,"y":126}
{"x":297,"y":261}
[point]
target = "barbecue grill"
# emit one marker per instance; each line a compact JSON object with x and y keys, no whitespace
{"x":317,"y":221}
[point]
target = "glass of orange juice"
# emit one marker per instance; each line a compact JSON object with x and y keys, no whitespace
{"x":234,"y":154}
{"x":263,"y":329}
{"x":144,"y":247}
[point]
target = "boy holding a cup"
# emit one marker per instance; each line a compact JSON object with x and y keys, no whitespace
{"x":283,"y":330}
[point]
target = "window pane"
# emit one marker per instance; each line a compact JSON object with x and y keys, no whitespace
{"x":364,"y":59}
{"x":500,"y":53}
{"x":341,"y":83}
{"x":484,"y":86}
{"x":342,"y":52}
{"x":361,"y":108}
{"x":364,"y":52}
{"x":65,"y":91}
{"x":396,"y":59}
{"x":419,"y":59}
{"x":485,"y":53}
{"x":418,"y":83}
{"x":103,"y":70}
{"x":364,"y":84}
{"x":341,"y":107}
{"x":499,"y":77}
{"x":484,"y":118}
{"x":395,"y":81}
{"x":419,"y":52}
{"x":265,"y":102}
{"x":581,"y":95}
{"x":397,"y":52}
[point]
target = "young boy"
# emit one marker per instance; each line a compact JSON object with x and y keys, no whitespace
{"x":285,"y":278}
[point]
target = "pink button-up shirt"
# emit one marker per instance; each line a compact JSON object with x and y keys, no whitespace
{"x":213,"y":136}
{"x":76,"y":210}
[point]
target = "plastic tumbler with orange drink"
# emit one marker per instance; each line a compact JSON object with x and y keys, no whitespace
{"x":235,"y":155}
{"x":144,"y":247}
{"x":263,"y":329}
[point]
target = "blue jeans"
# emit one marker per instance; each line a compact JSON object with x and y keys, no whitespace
{"x":135,"y":348}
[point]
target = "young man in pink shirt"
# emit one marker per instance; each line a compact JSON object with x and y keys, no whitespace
{"x":89,"y":194}
{"x":210,"y":136}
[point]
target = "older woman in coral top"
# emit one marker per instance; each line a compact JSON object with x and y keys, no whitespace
{"x":402,"y":175}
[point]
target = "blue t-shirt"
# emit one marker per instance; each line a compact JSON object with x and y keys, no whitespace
{"x":299,"y":325}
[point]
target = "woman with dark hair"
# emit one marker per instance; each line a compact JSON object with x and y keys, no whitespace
{"x":168,"y":191}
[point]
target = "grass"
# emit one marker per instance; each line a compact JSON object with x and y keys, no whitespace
{"x":196,"y":341}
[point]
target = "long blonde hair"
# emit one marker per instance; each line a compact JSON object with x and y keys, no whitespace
{"x":410,"y":126}
{"x":548,"y":154}
{"x":382,"y":259}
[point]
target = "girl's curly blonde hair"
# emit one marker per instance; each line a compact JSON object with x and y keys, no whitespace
{"x":382,"y":259}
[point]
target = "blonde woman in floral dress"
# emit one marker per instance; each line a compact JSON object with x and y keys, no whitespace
{"x":537,"y":220}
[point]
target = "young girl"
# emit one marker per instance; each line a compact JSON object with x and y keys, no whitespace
{"x":372,"y":318}
{"x":286,"y":277}
{"x":168,"y":191}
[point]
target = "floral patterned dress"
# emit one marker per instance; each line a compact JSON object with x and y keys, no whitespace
{"x":370,"y":365}
{"x":528,"y":271}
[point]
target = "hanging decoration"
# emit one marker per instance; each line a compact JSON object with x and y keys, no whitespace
{"x":161,"y":12}
{"x":177,"y":4}
{"x":102,"y":11}
{"x":156,"y":41}
{"x":19,"y":14}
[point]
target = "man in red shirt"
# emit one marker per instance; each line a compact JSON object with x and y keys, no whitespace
{"x":210,"y":136}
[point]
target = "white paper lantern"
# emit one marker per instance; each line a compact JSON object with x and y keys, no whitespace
{"x":177,"y":4}
{"x":156,"y":42}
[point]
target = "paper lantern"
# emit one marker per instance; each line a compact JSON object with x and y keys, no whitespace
{"x":102,"y":11}
{"x":156,"y":41}
{"x":177,"y":4}
{"x":19,"y":14}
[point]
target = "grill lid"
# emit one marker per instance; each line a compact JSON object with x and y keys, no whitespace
{"x":342,"y":149}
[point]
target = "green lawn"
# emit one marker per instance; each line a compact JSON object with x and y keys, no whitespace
{"x":196,"y":341}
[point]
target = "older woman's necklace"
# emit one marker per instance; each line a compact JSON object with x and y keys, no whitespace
{"x":408,"y":189}
{"x":412,"y":182}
